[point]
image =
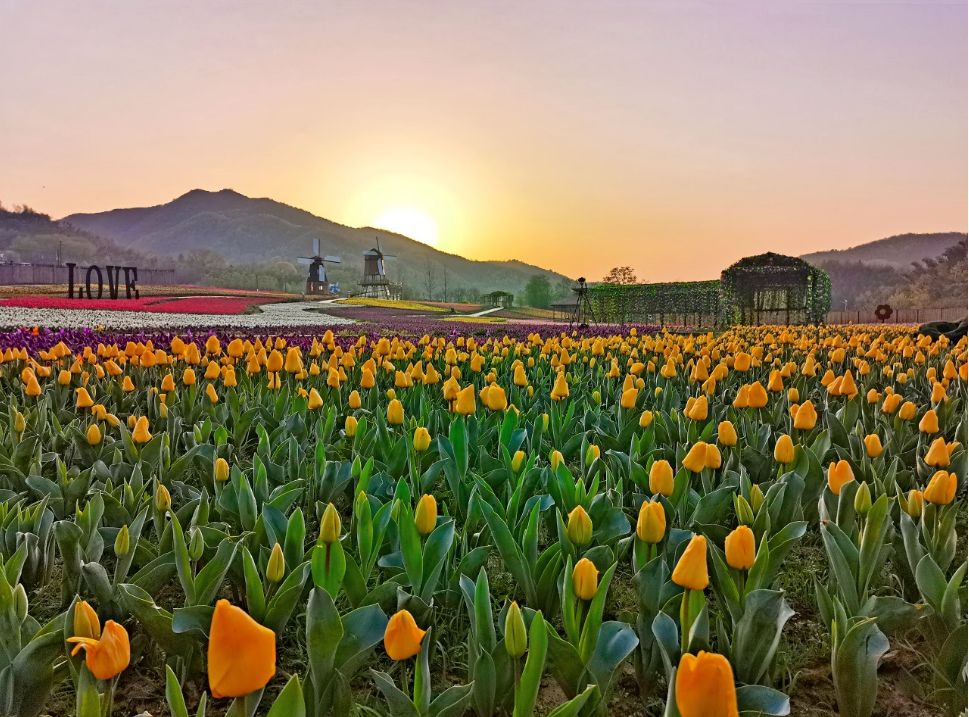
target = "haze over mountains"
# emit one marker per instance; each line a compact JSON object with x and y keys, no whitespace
{"x":898,"y":251}
{"x":245,"y":230}
{"x":227,"y":239}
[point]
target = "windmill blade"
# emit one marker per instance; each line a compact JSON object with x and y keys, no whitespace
{"x":390,"y":256}
{"x":304,"y":260}
{"x":316,"y":246}
{"x":332,"y":259}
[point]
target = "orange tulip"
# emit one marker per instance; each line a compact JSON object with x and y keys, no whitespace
{"x":740,"y":549}
{"x":941,"y":489}
{"x":402,"y":638}
{"x":705,"y":686}
{"x":691,"y":570}
{"x":106,"y":656}
{"x":242,"y":653}
{"x":839,"y":475}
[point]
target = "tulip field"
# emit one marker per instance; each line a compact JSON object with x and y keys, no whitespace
{"x":437,"y":521}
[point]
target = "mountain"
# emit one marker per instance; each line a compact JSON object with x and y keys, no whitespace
{"x":906,"y":271}
{"x":897,"y":251}
{"x":27,"y":235}
{"x":245,"y":230}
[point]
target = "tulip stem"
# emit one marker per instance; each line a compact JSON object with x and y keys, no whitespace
{"x":686,"y":623}
{"x":109,"y":697}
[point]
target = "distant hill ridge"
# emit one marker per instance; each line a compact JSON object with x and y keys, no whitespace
{"x":896,"y":251}
{"x":248,"y":230}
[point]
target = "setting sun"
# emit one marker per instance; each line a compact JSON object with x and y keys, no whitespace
{"x":409,"y":221}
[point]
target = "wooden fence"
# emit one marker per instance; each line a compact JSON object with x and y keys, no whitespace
{"x":20,"y":274}
{"x":899,"y":316}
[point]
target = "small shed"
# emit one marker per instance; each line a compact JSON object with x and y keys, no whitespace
{"x":499,"y":299}
{"x":566,"y":308}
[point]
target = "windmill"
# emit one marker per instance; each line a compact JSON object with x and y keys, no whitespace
{"x":316,"y":280}
{"x":375,"y":282}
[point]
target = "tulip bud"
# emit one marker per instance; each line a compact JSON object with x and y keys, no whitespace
{"x":221,"y":470}
{"x":355,"y":468}
{"x":122,"y":543}
{"x":330,"y":526}
{"x":596,"y":397}
{"x":863,"y":500}
{"x":19,"y":423}
{"x":163,"y":499}
{"x":579,"y":529}
{"x":517,"y":461}
{"x":20,"y":602}
{"x":86,"y":623}
{"x":425,"y":517}
{"x":745,"y":514}
{"x":545,"y":421}
{"x":756,"y":498}
{"x":913,"y":505}
{"x":516,"y":637}
{"x":93,"y":435}
{"x":350,"y":426}
{"x":555,"y":459}
{"x":277,"y":565}
{"x":196,"y":544}
{"x":591,"y":453}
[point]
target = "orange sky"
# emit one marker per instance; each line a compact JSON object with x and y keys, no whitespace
{"x":675,"y":137}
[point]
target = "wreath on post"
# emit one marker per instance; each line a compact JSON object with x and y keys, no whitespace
{"x":884,"y":312}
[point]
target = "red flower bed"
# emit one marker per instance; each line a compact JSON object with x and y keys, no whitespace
{"x":188,"y":305}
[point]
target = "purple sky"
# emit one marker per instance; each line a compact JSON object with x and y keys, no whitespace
{"x":674,"y":136}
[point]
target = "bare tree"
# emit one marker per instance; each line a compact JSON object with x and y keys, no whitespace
{"x":621,"y":275}
{"x":430,"y":278}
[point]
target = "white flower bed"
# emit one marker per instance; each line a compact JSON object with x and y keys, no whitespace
{"x":284,"y":314}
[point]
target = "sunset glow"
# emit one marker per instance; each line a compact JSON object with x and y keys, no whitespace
{"x":410,"y":222}
{"x":672,"y":137}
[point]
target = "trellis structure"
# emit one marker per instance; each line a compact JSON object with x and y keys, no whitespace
{"x":685,"y":303}
{"x":499,"y":299}
{"x":775,"y":289}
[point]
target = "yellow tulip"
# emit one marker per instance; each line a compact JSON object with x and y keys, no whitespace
{"x":941,"y":489}
{"x":422,"y":439}
{"x":84,"y":399}
{"x":705,"y":686}
{"x":108,"y":655}
{"x":727,"y":434}
{"x":873,"y":445}
{"x":221,"y":470}
{"x":628,"y":399}
{"x":242,"y":653}
{"x":402,"y":638}
{"x":315,"y":400}
{"x":561,"y":388}
{"x":517,"y":461}
{"x":739,"y":547}
{"x":645,"y":418}
{"x":395,"y":413}
{"x":464,"y":402}
{"x":712,"y":458}
{"x":907,"y":411}
{"x":585,"y":579}
{"x":757,"y":395}
{"x":496,"y":400}
{"x":94,"y":434}
{"x":651,"y":526}
{"x":661,"y":478}
{"x":425,"y":517}
{"x":691,"y":569}
{"x":699,"y":410}
{"x":784,"y":449}
{"x":807,"y":417}
{"x":696,"y":459}
{"x":929,"y":422}
{"x":140,"y":434}
{"x":579,"y":529}
{"x":938,"y":455}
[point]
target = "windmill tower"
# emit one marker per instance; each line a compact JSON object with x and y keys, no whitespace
{"x":375,"y":283}
{"x":316,"y":282}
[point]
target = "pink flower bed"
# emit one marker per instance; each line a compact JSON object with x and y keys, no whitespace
{"x":189,"y":305}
